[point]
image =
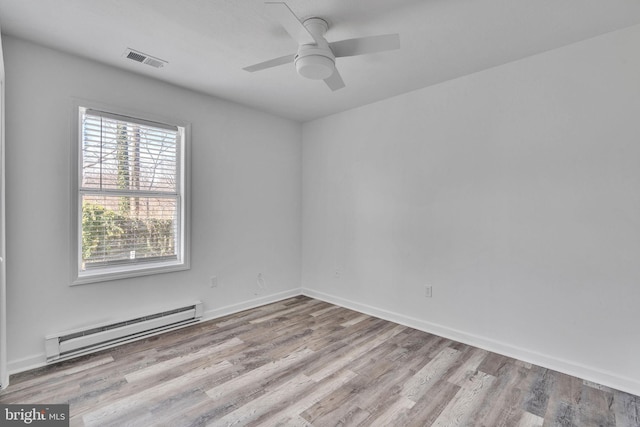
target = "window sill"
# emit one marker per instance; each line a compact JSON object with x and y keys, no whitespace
{"x":116,"y":273}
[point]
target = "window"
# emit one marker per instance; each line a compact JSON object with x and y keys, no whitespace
{"x":130,"y":197}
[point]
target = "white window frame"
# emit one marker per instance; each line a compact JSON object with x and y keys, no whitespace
{"x":108,"y":273}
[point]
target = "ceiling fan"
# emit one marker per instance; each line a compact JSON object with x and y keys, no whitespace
{"x":316,"y":57}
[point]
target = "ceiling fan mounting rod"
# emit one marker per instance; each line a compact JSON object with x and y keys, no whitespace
{"x":316,"y":26}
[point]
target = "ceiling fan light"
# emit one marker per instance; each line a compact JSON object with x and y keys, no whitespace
{"x":316,"y":67}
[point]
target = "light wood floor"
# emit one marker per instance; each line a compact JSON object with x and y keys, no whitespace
{"x":303,"y":362}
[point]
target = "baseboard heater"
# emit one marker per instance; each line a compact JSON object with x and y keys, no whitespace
{"x":75,"y":343}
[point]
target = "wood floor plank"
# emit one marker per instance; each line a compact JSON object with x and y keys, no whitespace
{"x":414,"y":352}
{"x":353,"y":321}
{"x":502,"y":404}
{"x":530,"y":420}
{"x":165,"y":365}
{"x":330,"y":332}
{"x":256,"y":375}
{"x":292,"y":421}
{"x":325,"y":310}
{"x":355,"y":352}
{"x":383,"y":388}
{"x":626,"y":409}
{"x":376,"y":387}
{"x":368,"y":360}
{"x":116,"y":409}
{"x":429,"y":406}
{"x":290,"y":398}
{"x":121,"y":390}
{"x":538,"y":397}
{"x":283,"y":313}
{"x":594,"y":407}
{"x":305,"y":362}
{"x":255,"y":408}
{"x":493,"y":363}
{"x":417,"y":385}
{"x":467,"y":369}
{"x":465,"y":402}
{"x":318,"y":391}
{"x":116,"y":387}
{"x":336,"y":407}
{"x":247,"y":315}
{"x":386,"y":417}
{"x":565,"y":394}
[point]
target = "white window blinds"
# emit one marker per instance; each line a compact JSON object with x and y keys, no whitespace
{"x":129,"y":191}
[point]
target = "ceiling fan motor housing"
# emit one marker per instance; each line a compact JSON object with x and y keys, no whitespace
{"x":315,"y":61}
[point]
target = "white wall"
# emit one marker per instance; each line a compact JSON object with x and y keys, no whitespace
{"x":514,"y":192}
{"x":245,"y":200}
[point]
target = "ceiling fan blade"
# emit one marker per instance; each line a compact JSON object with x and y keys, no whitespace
{"x":364,"y":45}
{"x":270,"y":63}
{"x":283,"y":14}
{"x":334,"y":81}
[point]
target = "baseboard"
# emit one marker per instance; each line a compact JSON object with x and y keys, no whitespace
{"x":26,"y":363}
{"x":588,"y":373}
{"x":39,"y":360}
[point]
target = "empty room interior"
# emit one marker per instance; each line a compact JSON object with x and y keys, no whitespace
{"x":321,"y":213}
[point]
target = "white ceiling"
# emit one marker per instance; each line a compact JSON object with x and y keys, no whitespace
{"x":207,"y":42}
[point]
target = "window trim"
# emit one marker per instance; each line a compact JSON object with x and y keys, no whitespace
{"x":183,"y":182}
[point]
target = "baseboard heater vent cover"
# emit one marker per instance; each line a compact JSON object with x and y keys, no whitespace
{"x":75,"y":343}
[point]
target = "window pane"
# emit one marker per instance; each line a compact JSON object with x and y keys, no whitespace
{"x":124,"y":155}
{"x":125,"y":229}
{"x":130,"y":216}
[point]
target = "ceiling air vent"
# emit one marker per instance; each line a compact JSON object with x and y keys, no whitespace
{"x":134,"y":55}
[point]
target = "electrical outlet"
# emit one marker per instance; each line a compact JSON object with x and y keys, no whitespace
{"x":427,"y":291}
{"x":214,"y":281}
